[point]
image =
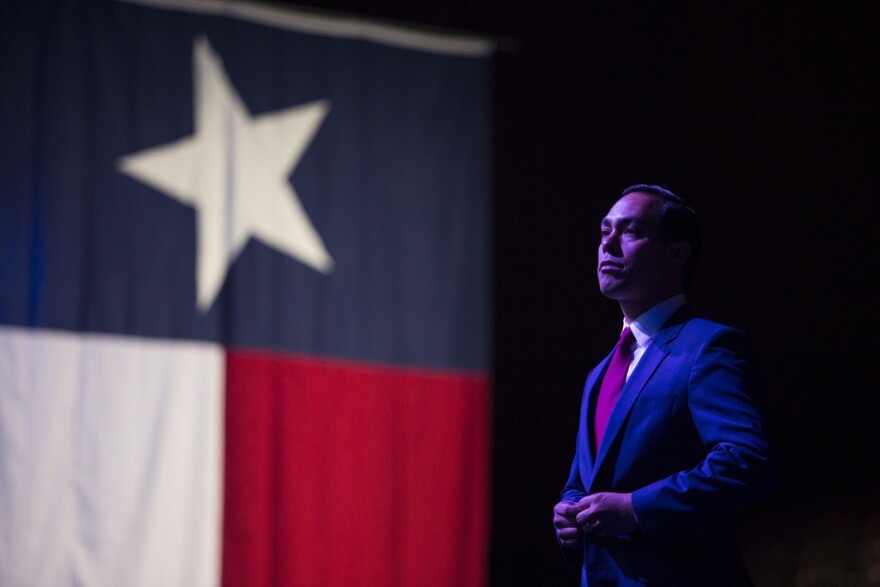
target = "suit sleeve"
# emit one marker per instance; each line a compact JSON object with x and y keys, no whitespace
{"x":574,"y":488}
{"x":721,"y":390}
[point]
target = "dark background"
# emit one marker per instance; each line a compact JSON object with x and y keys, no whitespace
{"x":762,"y":117}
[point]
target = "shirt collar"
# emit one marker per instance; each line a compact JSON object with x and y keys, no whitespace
{"x":649,"y":322}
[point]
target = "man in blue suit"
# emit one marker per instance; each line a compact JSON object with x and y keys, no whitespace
{"x":671,"y":444}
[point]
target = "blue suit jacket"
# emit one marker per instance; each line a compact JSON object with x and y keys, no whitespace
{"x":686,"y":439}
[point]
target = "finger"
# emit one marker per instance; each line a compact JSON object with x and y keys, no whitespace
{"x":595,"y":527}
{"x":564,"y":515}
{"x":566,"y":508}
{"x":575,"y":541}
{"x":569,"y":533}
{"x":563,"y":522}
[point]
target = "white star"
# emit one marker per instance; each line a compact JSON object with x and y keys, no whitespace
{"x":234,"y":171}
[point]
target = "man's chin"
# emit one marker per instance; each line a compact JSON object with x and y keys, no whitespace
{"x":610,"y":289}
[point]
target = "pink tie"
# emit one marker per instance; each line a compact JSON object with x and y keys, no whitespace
{"x":612,"y":383}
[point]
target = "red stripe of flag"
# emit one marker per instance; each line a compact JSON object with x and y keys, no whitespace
{"x":347,"y":474}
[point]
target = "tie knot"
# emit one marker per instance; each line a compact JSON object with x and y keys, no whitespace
{"x":627,"y":337}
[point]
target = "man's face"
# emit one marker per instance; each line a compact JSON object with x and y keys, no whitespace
{"x":635,"y":265}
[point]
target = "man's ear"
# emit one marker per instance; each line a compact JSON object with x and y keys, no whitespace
{"x":679,"y":253}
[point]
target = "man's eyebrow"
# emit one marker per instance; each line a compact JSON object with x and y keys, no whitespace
{"x":621,"y":220}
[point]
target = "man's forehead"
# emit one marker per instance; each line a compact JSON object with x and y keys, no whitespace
{"x":635,"y":207}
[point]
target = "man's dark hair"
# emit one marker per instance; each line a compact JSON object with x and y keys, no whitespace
{"x":678,"y":222}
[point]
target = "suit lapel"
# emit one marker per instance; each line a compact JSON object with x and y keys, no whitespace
{"x":656,"y":351}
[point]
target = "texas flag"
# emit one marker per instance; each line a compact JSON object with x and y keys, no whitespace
{"x":244,"y":298}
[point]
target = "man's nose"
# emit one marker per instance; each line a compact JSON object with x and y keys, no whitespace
{"x":611,"y":244}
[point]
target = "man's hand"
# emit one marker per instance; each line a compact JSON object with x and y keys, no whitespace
{"x":606,"y":514}
{"x":568,"y":531}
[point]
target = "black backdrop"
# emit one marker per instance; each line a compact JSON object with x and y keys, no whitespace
{"x":764,"y":118}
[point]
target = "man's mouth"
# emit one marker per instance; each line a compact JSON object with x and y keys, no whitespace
{"x":610,"y":265}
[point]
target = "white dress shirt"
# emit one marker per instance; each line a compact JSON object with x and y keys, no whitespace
{"x":648,"y":323}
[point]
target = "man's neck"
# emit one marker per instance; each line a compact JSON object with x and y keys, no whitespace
{"x":632,"y":309}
